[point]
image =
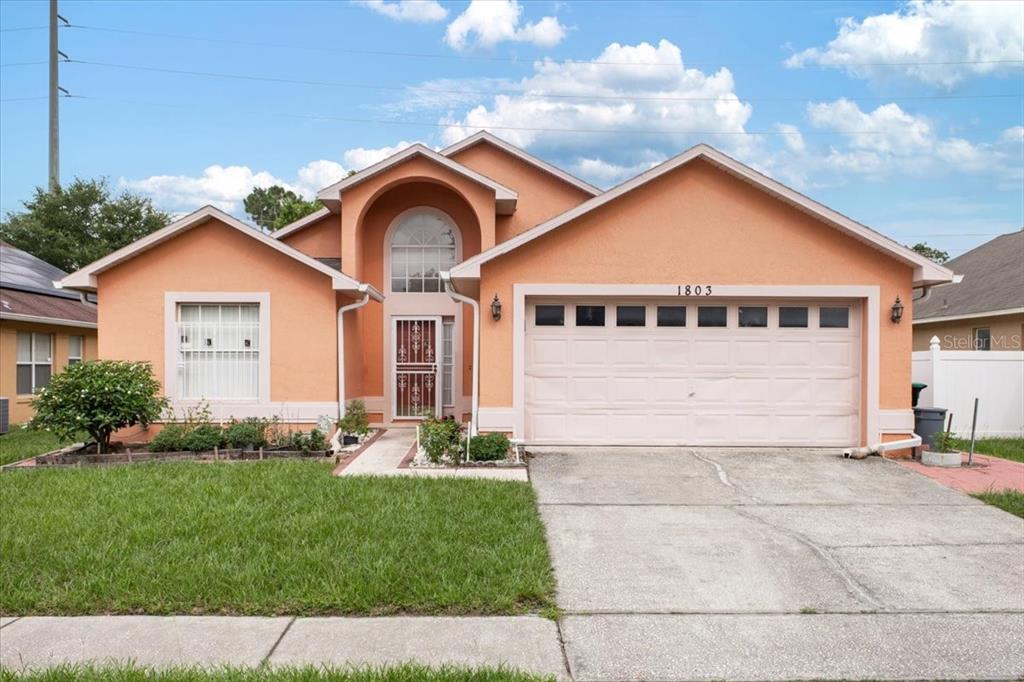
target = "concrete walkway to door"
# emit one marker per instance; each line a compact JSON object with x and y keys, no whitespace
{"x":679,"y":564}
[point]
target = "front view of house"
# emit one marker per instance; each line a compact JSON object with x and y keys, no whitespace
{"x":699,"y":303}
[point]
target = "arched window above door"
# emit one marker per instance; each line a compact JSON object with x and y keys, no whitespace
{"x":423,"y":244}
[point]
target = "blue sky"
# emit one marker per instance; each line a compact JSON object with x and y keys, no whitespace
{"x":895,"y":114}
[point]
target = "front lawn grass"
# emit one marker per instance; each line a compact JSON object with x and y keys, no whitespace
{"x":1006,"y":448}
{"x":1007,"y":500}
{"x":20,"y":443}
{"x":403,"y":673}
{"x":263,"y":538}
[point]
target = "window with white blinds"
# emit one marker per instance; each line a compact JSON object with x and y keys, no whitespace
{"x":218,"y":351}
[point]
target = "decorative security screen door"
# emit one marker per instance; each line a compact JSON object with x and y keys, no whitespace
{"x":416,"y":344}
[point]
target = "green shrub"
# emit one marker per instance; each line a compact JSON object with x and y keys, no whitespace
{"x":944,"y":441}
{"x":440,"y":438}
{"x":488,"y":447}
{"x":355,"y":422}
{"x":170,"y":439}
{"x":313,"y":441}
{"x":98,"y":397}
{"x":204,"y":437}
{"x":248,"y":433}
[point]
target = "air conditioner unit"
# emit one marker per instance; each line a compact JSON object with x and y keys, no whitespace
{"x":5,"y":415}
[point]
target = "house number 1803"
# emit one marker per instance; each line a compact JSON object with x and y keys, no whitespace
{"x":694,"y":290}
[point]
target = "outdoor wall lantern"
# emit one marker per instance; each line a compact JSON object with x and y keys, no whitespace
{"x":897,"y":310}
{"x":496,"y":308}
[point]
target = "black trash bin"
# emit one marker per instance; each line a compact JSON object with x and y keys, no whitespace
{"x":915,"y":392}
{"x":928,"y":421}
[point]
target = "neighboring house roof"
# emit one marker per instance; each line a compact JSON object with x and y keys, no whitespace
{"x":27,"y":292}
{"x":925,"y":270}
{"x":522,"y":154}
{"x":85,"y":279}
{"x":21,"y":270}
{"x":505,"y":198}
{"x":993,"y":283}
{"x":26,"y":306}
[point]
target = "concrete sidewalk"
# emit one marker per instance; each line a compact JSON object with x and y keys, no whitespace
{"x":526,"y":643}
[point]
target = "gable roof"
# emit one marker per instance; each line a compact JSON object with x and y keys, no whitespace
{"x":85,"y":279}
{"x":925,"y":270}
{"x":993,"y":282}
{"x":302,"y":222}
{"x":522,"y":154}
{"x":505,"y":198}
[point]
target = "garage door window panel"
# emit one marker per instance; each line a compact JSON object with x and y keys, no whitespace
{"x":549,"y":316}
{"x":630,"y":316}
{"x":712,"y":316}
{"x":590,"y":316}
{"x":671,"y":316}
{"x":793,"y":317}
{"x":753,"y":316}
{"x":834,"y":317}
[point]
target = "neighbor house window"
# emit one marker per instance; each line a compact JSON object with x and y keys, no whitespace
{"x":630,"y":316}
{"x":792,"y":316}
{"x":422,"y":247}
{"x":447,"y":363}
{"x":76,"y":346}
{"x":590,"y":316}
{"x":218,"y":351}
{"x":549,"y":315}
{"x":834,"y":318}
{"x":671,"y":316}
{"x":753,"y":316}
{"x":982,"y":338}
{"x":34,"y":362}
{"x":712,"y":316}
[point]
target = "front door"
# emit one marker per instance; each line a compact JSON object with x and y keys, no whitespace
{"x":415,"y":343}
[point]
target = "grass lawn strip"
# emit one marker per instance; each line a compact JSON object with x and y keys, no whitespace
{"x":1007,"y":500}
{"x":266,"y":538}
{"x":404,"y":673}
{"x":1006,"y":448}
{"x":20,"y":443}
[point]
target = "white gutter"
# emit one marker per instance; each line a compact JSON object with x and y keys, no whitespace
{"x":341,"y":344}
{"x":475,"y":408}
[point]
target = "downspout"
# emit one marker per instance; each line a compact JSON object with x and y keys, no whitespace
{"x":475,"y":400}
{"x":341,"y":344}
{"x":878,"y":448}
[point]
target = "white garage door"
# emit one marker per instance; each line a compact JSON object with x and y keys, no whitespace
{"x":715,"y":373}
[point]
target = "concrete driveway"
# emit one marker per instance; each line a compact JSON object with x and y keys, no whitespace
{"x":678,"y":564}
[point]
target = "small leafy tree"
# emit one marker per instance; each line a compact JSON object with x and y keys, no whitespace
{"x":937,"y":255}
{"x":99,"y":397}
{"x":355,"y":422}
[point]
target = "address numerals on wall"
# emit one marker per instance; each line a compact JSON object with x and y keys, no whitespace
{"x":694,"y":290}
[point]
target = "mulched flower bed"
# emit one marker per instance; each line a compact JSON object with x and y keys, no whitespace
{"x":81,"y":454}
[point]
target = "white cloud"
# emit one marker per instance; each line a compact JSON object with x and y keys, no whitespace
{"x":485,"y":23}
{"x":887,"y":129}
{"x":628,"y":96}
{"x":792,"y":136}
{"x":361,"y":157}
{"x":226,"y":186}
{"x":607,"y":174}
{"x":1014,"y":135}
{"x":940,"y":31}
{"x":418,"y":11}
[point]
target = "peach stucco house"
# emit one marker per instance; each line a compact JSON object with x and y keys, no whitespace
{"x":697,"y":303}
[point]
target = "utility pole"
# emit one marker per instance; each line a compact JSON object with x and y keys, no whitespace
{"x":54,"y":101}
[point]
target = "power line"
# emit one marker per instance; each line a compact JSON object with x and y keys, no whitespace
{"x":487,"y":93}
{"x":4,"y":66}
{"x":491,"y":58}
{"x":22,"y":28}
{"x":539,"y":129}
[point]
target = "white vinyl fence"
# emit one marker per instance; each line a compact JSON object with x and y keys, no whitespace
{"x":956,"y":377}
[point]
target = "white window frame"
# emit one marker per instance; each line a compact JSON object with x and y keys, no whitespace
{"x":173,"y":299}
{"x":32,"y":361}
{"x":72,"y":359}
{"x":390,"y":247}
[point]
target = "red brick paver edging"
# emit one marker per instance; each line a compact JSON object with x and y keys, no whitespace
{"x":986,"y":474}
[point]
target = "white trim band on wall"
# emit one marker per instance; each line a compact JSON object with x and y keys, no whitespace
{"x":286,"y":412}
